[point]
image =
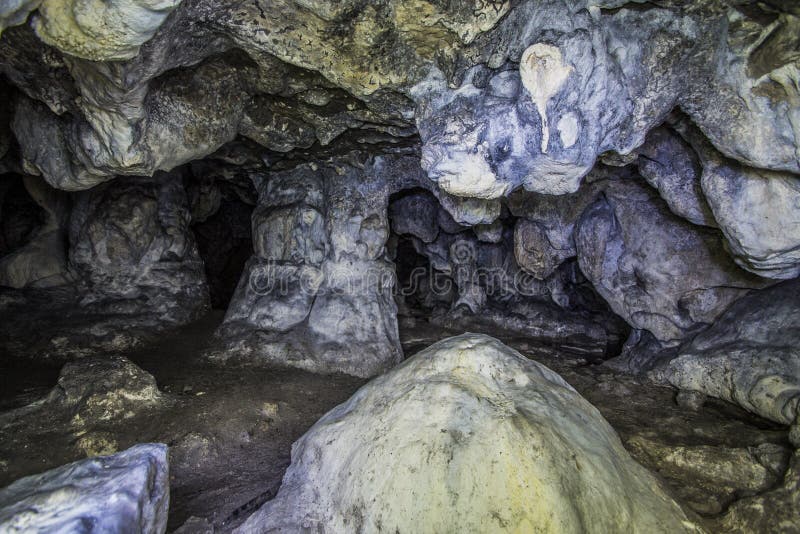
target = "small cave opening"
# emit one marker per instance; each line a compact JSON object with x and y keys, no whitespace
{"x":467,"y":276}
{"x":225,"y":243}
{"x":21,"y":216}
{"x":221,"y":202}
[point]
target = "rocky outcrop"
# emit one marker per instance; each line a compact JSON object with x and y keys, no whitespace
{"x":131,"y":244}
{"x":111,"y":34}
{"x":549,"y":91}
{"x":467,"y":435}
{"x":543,"y":235}
{"x":504,"y":95}
{"x":317,"y":292}
{"x":415,"y":214}
{"x":658,"y":272}
{"x":125,"y":492}
{"x":749,"y":356}
{"x":669,"y":164}
{"x":759,"y":213}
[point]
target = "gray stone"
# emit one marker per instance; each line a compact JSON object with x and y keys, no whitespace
{"x":658,"y":272}
{"x":749,"y":356}
{"x":586,"y":86}
{"x":125,"y":492}
{"x":670,"y":165}
{"x":489,"y":233}
{"x":641,"y":353}
{"x":543,"y":235}
{"x":759,"y":213}
{"x":16,"y":12}
{"x":318,"y":293}
{"x":415,"y":214}
{"x":131,"y":244}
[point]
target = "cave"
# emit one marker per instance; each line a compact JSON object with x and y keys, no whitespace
{"x":400,"y":266}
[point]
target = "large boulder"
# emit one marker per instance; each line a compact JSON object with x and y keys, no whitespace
{"x":657,"y":271}
{"x":466,"y":436}
{"x":127,"y":492}
{"x":749,"y":356}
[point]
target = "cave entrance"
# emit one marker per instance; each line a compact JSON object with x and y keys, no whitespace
{"x":222,"y":227}
{"x":424,"y":287}
{"x":21,"y":216}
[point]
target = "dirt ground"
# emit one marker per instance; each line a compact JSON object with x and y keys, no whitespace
{"x":230,"y":430}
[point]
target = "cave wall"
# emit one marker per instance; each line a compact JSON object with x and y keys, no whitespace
{"x":650,"y":149}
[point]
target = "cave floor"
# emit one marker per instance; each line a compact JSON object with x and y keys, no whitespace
{"x":230,"y":430}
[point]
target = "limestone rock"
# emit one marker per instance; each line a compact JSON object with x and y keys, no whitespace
{"x":615,"y":75}
{"x":131,"y":243}
{"x":489,"y":233}
{"x":110,"y":34}
{"x":317,"y":293}
{"x":732,"y":472}
{"x":772,"y":511}
{"x":125,"y":492}
{"x":641,"y":353}
{"x":759,"y":213}
{"x":543,"y":235}
{"x":16,"y":12}
{"x":749,"y":356}
{"x":101,"y":389}
{"x":415,"y":214}
{"x":467,"y":435}
{"x":658,"y":272}
{"x":670,"y":165}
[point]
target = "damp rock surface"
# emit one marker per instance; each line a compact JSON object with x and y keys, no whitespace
{"x":488,"y":455}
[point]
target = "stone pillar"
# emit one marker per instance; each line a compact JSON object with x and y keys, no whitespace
{"x":317,"y":293}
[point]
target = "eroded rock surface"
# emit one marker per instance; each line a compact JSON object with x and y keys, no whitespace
{"x":125,"y":492}
{"x":317,"y":293}
{"x":374,"y":463}
{"x":658,"y":272}
{"x":131,"y":245}
{"x":749,"y":356}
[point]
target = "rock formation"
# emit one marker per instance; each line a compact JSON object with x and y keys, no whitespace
{"x":613,"y":182}
{"x":317,"y":293}
{"x":749,"y":356}
{"x":125,"y":492}
{"x":466,"y":435}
